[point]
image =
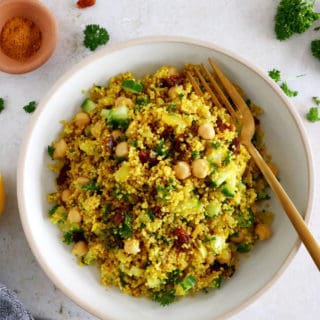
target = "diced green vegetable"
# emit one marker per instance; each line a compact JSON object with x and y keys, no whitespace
{"x":213,"y":209}
{"x":132,"y":86}
{"x":118,"y":117}
{"x":188,"y":282}
{"x":104,"y":113}
{"x":88,"y":105}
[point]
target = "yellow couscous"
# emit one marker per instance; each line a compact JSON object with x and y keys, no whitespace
{"x":154,"y":187}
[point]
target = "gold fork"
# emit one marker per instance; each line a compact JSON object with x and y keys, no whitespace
{"x":221,"y":90}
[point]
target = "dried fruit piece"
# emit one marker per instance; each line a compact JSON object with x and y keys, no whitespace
{"x":85,"y":3}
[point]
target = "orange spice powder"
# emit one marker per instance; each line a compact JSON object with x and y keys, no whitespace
{"x":20,"y":38}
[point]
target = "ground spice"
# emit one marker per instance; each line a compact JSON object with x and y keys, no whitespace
{"x":20,"y":38}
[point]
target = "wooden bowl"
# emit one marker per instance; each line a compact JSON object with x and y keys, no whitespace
{"x":35,"y":11}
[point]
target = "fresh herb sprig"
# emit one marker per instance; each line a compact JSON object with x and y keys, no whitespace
{"x":1,"y":104}
{"x":315,"y":48}
{"x":294,"y":16}
{"x":276,"y":76}
{"x":30,"y":107}
{"x":95,"y":36}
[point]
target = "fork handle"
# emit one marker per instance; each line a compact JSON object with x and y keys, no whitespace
{"x":304,"y":233}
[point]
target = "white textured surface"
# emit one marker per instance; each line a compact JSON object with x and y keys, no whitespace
{"x":245,"y":27}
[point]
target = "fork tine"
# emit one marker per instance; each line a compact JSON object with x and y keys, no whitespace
{"x":207,"y":87}
{"x":194,"y":84}
{"x":221,"y":94}
{"x":232,"y":91}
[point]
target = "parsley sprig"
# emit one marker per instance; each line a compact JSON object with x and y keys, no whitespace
{"x":276,"y":76}
{"x":95,"y":36}
{"x":30,"y":107}
{"x":1,"y":105}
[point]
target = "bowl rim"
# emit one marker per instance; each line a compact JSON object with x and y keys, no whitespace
{"x":152,"y":40}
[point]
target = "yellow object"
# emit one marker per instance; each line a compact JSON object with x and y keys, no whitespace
{"x":2,"y":195}
{"x":149,"y":227}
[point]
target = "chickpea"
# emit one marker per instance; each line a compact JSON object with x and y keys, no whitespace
{"x":80,"y":249}
{"x":81,"y":119}
{"x":173,"y":92}
{"x":172,"y":71}
{"x":131,"y":246}
{"x":263,"y":231}
{"x":82,"y":181}
{"x":60,"y":149}
{"x":210,"y":258}
{"x":200,"y":168}
{"x":123,"y":101}
{"x":116,"y":134}
{"x":224,"y":257}
{"x":182,"y":170}
{"x":206,"y":131}
{"x":65,"y":195}
{"x":122,"y":150}
{"x":74,"y":215}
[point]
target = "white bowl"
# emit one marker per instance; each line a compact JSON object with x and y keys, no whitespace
{"x":285,"y":138}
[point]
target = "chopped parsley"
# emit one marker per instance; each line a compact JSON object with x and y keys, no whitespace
{"x":275,"y":75}
{"x":172,"y":107}
{"x":53,"y":210}
{"x":50,"y":151}
{"x":315,"y":48}
{"x":174,"y":276}
{"x":125,"y":229}
{"x":316,"y":100}
{"x":162,"y":150}
{"x":67,"y":237}
{"x":313,"y":114}
{"x":1,"y":105}
{"x":287,"y":90}
{"x":164,"y":297}
{"x":294,"y":16}
{"x":30,"y":107}
{"x":92,"y":186}
{"x":244,"y":247}
{"x":215,"y":144}
{"x":195,"y":155}
{"x":95,"y":36}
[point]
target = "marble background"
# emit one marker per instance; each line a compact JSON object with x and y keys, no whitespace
{"x":243,"y":26}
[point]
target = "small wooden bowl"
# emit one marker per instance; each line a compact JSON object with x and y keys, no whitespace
{"x":35,"y":11}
